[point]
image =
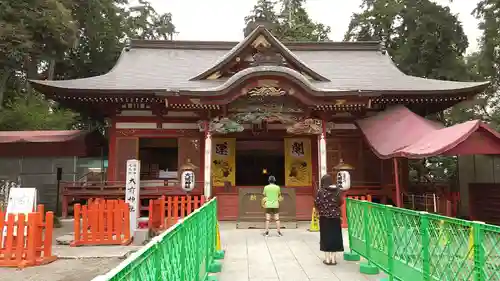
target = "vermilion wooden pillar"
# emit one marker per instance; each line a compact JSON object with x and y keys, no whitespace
{"x":396,"y":181}
{"x":111,"y":152}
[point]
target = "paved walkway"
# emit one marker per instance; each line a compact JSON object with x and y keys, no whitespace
{"x":293,"y":257}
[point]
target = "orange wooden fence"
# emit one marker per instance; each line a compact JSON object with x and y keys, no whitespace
{"x":166,"y":211}
{"x":26,"y":242}
{"x":344,"y":216}
{"x":102,"y":222}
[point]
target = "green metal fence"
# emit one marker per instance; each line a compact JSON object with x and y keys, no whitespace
{"x":418,"y":246}
{"x":185,"y":252}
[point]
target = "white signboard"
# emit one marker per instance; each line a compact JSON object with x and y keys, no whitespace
{"x":21,"y":201}
{"x":187,"y":180}
{"x":132,"y":188}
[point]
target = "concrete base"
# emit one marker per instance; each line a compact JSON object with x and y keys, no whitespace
{"x":215,"y":267}
{"x":351,"y":256}
{"x":219,"y":255}
{"x":368,"y":269}
{"x":93,"y":252}
{"x":65,"y":239}
{"x":141,"y":236}
{"x":262,"y":225}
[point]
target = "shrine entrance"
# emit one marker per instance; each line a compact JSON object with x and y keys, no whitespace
{"x":257,"y":160}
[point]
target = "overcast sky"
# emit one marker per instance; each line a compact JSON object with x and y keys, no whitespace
{"x":222,"y":20}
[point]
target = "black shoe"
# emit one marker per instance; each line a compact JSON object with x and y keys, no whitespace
{"x":280,"y":234}
{"x":266,"y":234}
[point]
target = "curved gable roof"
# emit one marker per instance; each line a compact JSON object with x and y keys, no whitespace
{"x":249,"y":41}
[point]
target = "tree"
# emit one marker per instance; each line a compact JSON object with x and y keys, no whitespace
{"x":292,"y":23}
{"x":486,"y":61}
{"x":424,"y":39}
{"x":104,"y":27}
{"x":32,"y":32}
{"x":64,"y":39}
{"x":296,"y":25}
{"x":35,"y":113}
{"x":264,"y":11}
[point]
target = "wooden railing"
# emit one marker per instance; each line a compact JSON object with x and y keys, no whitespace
{"x":80,"y":192}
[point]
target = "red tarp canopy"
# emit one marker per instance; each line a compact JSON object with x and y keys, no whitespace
{"x":398,"y":132}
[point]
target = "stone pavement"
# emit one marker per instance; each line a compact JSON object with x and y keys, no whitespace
{"x":293,"y":257}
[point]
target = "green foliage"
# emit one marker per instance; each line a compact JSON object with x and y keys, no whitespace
{"x":486,"y":60}
{"x":291,"y":23}
{"x":424,"y":39}
{"x":35,"y":113}
{"x":64,"y":39}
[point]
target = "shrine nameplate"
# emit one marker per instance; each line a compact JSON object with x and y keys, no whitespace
{"x":251,"y":214}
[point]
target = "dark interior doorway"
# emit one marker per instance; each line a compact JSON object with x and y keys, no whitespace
{"x":251,"y":164}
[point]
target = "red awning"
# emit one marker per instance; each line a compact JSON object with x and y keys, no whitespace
{"x":40,"y":136}
{"x":398,"y":132}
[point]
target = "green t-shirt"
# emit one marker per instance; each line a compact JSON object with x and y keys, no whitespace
{"x":272,"y":194}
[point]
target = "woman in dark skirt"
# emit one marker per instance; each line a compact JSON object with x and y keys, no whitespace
{"x":328,"y":203}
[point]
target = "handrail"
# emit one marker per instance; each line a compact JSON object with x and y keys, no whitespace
{"x":419,"y":246}
{"x":185,"y":251}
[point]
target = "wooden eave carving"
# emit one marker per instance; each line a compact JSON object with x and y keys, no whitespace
{"x":259,"y":48}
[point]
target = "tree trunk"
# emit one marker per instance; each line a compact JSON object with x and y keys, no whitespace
{"x":31,"y":72}
{"x":51,"y":70}
{"x":4,"y":77}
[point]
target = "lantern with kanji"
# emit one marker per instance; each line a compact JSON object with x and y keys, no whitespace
{"x":187,"y":176}
{"x":343,"y":175}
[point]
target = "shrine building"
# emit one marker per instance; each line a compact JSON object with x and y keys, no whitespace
{"x":241,"y":111}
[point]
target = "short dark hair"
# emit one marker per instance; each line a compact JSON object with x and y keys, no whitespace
{"x":271,"y":179}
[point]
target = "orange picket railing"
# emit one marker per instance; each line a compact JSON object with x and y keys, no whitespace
{"x":360,"y":197}
{"x":26,"y":242}
{"x":102,"y":222}
{"x":166,"y":211}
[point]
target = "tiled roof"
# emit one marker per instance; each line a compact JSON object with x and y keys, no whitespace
{"x":167,"y":67}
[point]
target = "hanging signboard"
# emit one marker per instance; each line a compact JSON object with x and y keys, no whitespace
{"x":223,"y":161}
{"x":132,"y":190}
{"x":298,"y":168}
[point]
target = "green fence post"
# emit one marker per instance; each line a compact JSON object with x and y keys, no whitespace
{"x":368,"y":267}
{"x":215,"y":265}
{"x":219,"y":252}
{"x":351,"y":255}
{"x":182,"y":256}
{"x":479,"y":254}
{"x":425,"y":237}
{"x":390,"y":243}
